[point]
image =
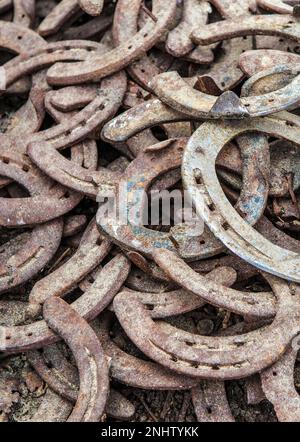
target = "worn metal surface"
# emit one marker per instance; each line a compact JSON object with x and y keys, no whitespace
{"x":206,"y":357}
{"x":89,"y":356}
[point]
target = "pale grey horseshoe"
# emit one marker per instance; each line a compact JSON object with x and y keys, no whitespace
{"x":275,"y":78}
{"x":139,"y":118}
{"x":200,"y":179}
{"x":278,"y":25}
{"x":178,"y":94}
{"x":249,"y":304}
{"x":252,"y":62}
{"x":278,"y":385}
{"x":118,"y":58}
{"x":228,"y":357}
{"x":138,"y":177}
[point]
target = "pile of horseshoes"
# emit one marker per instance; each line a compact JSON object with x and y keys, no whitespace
{"x":194,"y":95}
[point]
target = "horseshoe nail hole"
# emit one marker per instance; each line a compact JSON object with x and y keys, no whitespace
{"x":194,"y":364}
{"x":150,"y":307}
{"x":25,"y":168}
{"x":5,"y":160}
{"x":20,"y":37}
{"x":190,"y":344}
{"x":274,"y":373}
{"x":102,"y":107}
{"x":98,"y":242}
{"x":271,"y":100}
{"x":212,"y":207}
{"x":202,"y":242}
{"x":174,"y":359}
{"x":245,"y":37}
{"x":290,"y":123}
{"x":29,"y":334}
{"x":215,"y":367}
{"x":130,"y":47}
{"x":225,"y":226}
{"x":223,"y":84}
{"x":209,"y":410}
{"x":145,"y":35}
{"x":67,"y":195}
{"x":143,"y":71}
{"x":198,"y":176}
{"x":246,"y":104}
{"x":8,"y":338}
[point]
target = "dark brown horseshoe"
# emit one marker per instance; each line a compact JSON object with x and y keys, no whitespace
{"x":279,"y":25}
{"x":89,"y":305}
{"x":89,"y":356}
{"x":118,"y":58}
{"x":211,"y":357}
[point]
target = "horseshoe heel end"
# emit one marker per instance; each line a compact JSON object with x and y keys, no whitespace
{"x":228,"y":105}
